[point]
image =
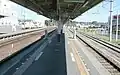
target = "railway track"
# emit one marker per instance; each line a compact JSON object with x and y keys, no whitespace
{"x":13,"y":40}
{"x":107,"y":55}
{"x":21,"y":37}
{"x":24,"y":55}
{"x":109,"y":45}
{"x":8,"y":47}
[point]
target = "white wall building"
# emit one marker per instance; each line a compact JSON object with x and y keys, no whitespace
{"x":6,"y":10}
{"x":29,"y":24}
{"x":9,"y":23}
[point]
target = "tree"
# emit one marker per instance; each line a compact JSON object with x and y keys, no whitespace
{"x":94,"y":22}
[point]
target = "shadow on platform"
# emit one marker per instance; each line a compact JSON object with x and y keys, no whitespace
{"x":52,"y":61}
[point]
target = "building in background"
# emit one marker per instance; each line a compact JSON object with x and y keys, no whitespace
{"x":50,"y":22}
{"x":99,"y":27}
{"x":30,"y":24}
{"x":8,"y":23}
{"x":93,"y":24}
{"x":114,"y":23}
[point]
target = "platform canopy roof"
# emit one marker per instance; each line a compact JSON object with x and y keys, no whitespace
{"x":55,"y":9}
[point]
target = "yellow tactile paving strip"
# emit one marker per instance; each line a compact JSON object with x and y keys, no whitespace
{"x":79,"y":62}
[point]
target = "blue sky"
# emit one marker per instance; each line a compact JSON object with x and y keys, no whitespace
{"x":98,"y":13}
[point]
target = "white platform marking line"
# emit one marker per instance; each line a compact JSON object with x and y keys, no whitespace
{"x":38,"y":56}
{"x":72,"y":56}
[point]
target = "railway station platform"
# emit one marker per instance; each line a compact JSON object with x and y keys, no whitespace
{"x":52,"y":60}
{"x":44,"y":58}
{"x":48,"y":56}
{"x":51,"y":52}
{"x":86,"y":63}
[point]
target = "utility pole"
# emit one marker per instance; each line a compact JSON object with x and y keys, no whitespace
{"x":117,"y":26}
{"x":111,"y":10}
